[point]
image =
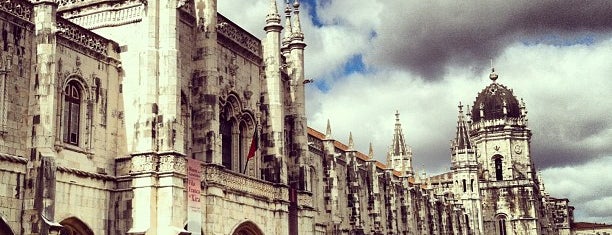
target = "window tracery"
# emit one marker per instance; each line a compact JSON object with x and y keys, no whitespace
{"x":236,"y":128}
{"x":72,"y":113}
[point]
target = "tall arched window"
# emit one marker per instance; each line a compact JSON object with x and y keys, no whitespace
{"x":464,"y":185}
{"x":225,"y":130}
{"x":472,"y":185}
{"x":501,"y":225}
{"x":72,"y":112}
{"x":467,"y":223}
{"x":498,"y":168}
{"x":243,"y":146}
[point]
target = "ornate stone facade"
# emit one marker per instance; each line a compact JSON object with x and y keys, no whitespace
{"x":113,"y":111}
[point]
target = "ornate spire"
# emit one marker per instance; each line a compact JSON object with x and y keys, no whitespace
{"x":351,"y":144}
{"x":273,"y":18}
{"x":288,"y":30}
{"x":297,"y":27}
{"x":371,"y":152}
{"x":328,"y":134}
{"x":398,"y":147}
{"x":462,"y":140}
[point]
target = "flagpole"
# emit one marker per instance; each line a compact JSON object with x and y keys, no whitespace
{"x":245,"y":165}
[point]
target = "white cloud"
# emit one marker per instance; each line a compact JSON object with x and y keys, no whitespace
{"x":566,"y":88}
{"x":587,"y":187}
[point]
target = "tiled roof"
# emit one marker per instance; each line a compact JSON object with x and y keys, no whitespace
{"x":587,"y":226}
{"x":344,"y":147}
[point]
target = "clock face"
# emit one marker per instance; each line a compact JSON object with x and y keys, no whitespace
{"x":518,"y":149}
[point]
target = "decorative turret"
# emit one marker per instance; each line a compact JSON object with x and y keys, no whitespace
{"x":288,"y":29}
{"x":273,"y":18}
{"x":351,"y":144}
{"x":297,"y":36}
{"x":276,"y":117}
{"x":400,"y":155}
{"x":328,"y":134}
{"x":462,"y":141}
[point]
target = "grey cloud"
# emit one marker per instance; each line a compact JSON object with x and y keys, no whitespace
{"x":427,"y":37}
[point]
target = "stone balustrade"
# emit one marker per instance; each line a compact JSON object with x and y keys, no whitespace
{"x":216,"y":175}
{"x":20,"y":8}
{"x":82,"y":37}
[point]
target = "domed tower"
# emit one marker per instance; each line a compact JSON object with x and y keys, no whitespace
{"x":500,"y":134}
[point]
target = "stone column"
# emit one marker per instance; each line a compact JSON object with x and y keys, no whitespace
{"x":39,"y":196}
{"x":205,"y":82}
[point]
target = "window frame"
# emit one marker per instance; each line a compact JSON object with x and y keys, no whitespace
{"x":72,"y":103}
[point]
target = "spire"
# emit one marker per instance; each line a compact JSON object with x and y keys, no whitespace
{"x":288,"y":30}
{"x":398,"y":147}
{"x":273,"y":18}
{"x":328,"y":135}
{"x":351,"y":144}
{"x":462,"y":140}
{"x":297,"y":27}
{"x":371,"y":152}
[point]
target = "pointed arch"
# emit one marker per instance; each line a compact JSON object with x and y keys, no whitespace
{"x":237,"y":126}
{"x":4,"y":227}
{"x":74,"y":226}
{"x":247,"y":228}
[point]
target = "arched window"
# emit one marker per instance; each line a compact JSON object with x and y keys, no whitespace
{"x":467,"y":223}
{"x":464,"y":185}
{"x":72,"y":113}
{"x":472,"y":185}
{"x":501,"y":225}
{"x":243,"y":146}
{"x":225,"y":130}
{"x":498,"y":168}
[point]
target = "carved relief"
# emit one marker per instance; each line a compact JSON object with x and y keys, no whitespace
{"x":240,"y":183}
{"x":20,"y":8}
{"x":143,"y":163}
{"x":82,"y":37}
{"x":239,"y":36}
{"x":172,"y":163}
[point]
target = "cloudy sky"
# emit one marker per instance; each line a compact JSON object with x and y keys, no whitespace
{"x":371,"y":58}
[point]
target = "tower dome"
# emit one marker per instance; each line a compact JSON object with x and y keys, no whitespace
{"x":495,"y":101}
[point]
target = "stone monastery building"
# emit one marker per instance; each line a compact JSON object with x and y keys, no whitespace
{"x":164,"y":117}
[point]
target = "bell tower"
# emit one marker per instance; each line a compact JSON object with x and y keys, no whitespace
{"x":500,"y":134}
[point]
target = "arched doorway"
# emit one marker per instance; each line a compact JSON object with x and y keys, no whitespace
{"x":74,"y":226}
{"x":247,"y":228}
{"x":4,"y":227}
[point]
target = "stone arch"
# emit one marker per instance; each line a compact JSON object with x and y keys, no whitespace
{"x":4,"y":227}
{"x":79,"y":80}
{"x":74,"y":226}
{"x":501,"y":224}
{"x":247,"y":228}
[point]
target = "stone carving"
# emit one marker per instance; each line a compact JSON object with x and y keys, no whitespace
{"x":143,"y":163}
{"x":105,"y":16}
{"x":239,"y":36}
{"x":214,"y":175}
{"x":82,"y":37}
{"x":172,"y":163}
{"x":20,"y":8}
{"x":305,"y":200}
